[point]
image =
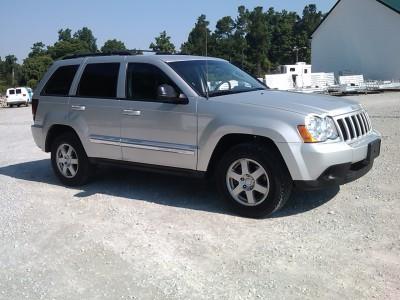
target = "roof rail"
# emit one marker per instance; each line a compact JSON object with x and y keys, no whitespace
{"x":121,"y":53}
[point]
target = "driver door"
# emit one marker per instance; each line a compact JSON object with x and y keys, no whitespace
{"x":154,"y":131}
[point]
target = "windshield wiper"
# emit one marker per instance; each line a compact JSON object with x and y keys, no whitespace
{"x":231,"y":92}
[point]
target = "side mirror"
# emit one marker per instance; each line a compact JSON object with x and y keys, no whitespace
{"x":166,"y":92}
{"x":169,"y":94}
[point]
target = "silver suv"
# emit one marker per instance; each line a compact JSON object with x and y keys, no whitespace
{"x":201,"y":116}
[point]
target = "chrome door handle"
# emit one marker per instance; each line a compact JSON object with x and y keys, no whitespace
{"x":78,"y":107}
{"x":131,"y":112}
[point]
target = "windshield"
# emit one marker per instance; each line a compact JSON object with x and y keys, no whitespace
{"x":222,"y":77}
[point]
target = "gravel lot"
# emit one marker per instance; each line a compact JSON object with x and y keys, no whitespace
{"x":135,"y":235}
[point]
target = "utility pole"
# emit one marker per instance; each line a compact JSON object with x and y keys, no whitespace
{"x":297,"y":49}
{"x":12,"y":76}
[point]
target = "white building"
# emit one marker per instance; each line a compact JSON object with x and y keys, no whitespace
{"x":359,"y":37}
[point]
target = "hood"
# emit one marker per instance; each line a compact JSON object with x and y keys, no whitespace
{"x":295,"y":102}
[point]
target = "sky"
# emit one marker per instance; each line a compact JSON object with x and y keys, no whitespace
{"x":136,"y":23}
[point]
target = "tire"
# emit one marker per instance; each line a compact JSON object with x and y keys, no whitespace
{"x":74,"y":163}
{"x":260,"y":191}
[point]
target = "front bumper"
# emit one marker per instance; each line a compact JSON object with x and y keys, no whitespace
{"x":344,"y":173}
{"x":309,"y":162}
{"x":337,"y":175}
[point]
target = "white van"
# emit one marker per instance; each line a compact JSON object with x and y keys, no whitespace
{"x":17,"y":96}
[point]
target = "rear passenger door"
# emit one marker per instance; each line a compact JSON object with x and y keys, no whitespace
{"x":155,"y":131}
{"x":95,"y":108}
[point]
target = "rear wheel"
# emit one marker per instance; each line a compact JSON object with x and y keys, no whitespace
{"x":254,"y":180}
{"x":69,"y":160}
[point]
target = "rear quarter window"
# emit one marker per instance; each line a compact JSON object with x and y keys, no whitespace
{"x":60,"y":82}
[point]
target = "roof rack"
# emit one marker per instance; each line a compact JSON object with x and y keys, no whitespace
{"x":113,"y":53}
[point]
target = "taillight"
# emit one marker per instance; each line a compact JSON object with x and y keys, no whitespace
{"x":35,"y":104}
{"x":24,"y":95}
{"x":6,"y":96}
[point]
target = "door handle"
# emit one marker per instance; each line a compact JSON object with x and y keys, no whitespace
{"x":78,"y":107}
{"x":131,"y":112}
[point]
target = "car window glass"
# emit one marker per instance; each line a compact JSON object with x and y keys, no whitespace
{"x":18,"y":91}
{"x":143,"y":80}
{"x":214,"y":78}
{"x":99,"y":80}
{"x":11,"y":92}
{"x":61,"y":80}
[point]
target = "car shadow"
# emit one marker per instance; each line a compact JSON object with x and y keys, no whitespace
{"x":169,"y":190}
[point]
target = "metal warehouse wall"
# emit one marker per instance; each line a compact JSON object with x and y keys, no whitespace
{"x":361,"y":37}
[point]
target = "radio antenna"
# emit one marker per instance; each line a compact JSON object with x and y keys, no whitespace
{"x":207,"y":88}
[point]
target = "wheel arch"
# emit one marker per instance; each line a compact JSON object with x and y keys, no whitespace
{"x":230,"y":140}
{"x":55,"y":131}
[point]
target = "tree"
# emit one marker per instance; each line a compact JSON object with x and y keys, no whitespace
{"x":305,"y":27}
{"x":163,"y":43}
{"x":113,"y":46}
{"x":3,"y":83}
{"x":283,"y":38}
{"x":65,"y":35}
{"x":81,"y":42}
{"x":259,"y":41}
{"x":38,"y":48}
{"x":199,"y":39}
{"x":34,"y":68}
{"x":239,"y":46}
{"x":223,"y":38}
{"x":86,"y":35}
{"x":63,"y":48}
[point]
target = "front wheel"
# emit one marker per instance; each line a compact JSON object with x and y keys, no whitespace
{"x":69,"y":160}
{"x":254,"y":180}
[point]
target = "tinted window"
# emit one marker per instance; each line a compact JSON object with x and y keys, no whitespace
{"x":292,"y":69}
{"x":61,"y":80}
{"x":11,"y":92}
{"x":18,"y":91}
{"x":143,"y":80}
{"x":99,"y":80}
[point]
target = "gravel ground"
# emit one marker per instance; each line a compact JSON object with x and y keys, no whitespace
{"x":135,"y":235}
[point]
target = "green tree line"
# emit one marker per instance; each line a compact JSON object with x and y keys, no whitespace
{"x":256,"y":40}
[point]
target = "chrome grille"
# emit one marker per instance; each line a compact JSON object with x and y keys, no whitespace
{"x":354,"y":126}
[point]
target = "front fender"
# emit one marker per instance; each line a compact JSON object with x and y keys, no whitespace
{"x":278,"y":126}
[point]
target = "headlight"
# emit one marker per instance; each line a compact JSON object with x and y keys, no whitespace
{"x":318,"y":129}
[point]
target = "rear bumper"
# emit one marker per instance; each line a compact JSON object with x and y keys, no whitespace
{"x":37,"y":133}
{"x":17,"y":101}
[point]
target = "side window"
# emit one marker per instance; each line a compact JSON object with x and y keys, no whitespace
{"x":61,"y":80}
{"x":143,"y":80}
{"x":99,"y":80}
